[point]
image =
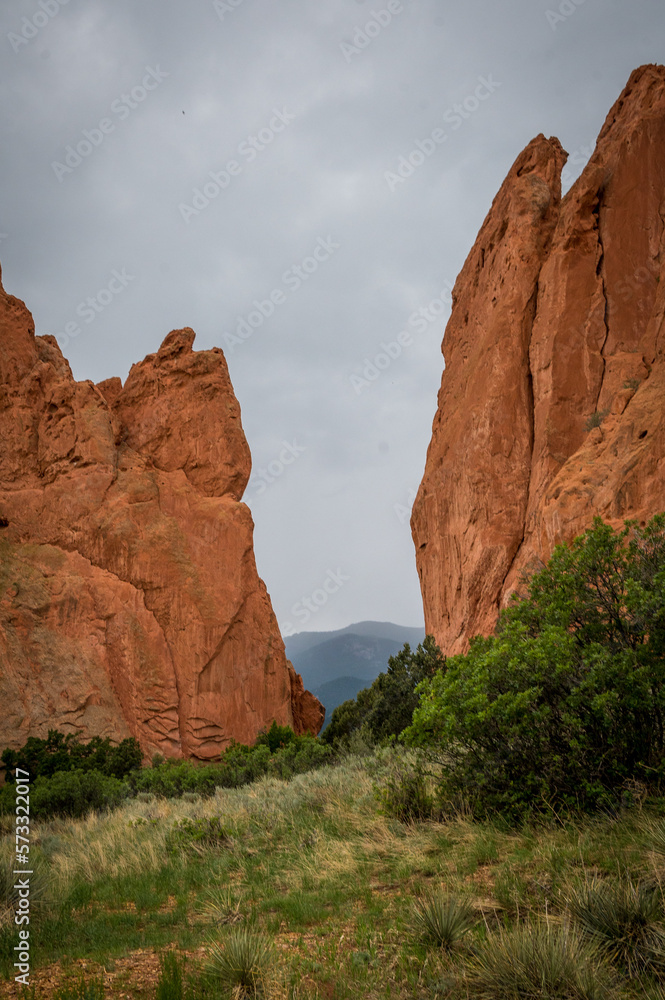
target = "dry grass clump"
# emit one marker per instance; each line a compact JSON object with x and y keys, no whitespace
{"x":624,"y":921}
{"x":539,"y":962}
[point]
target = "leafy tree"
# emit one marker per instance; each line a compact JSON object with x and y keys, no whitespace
{"x":275,"y":737}
{"x":60,"y":752}
{"x":386,"y":708}
{"x":565,"y":704}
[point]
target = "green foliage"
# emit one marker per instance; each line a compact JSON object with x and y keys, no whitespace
{"x":169,"y":985}
{"x":59,"y":788}
{"x":304,"y":753}
{"x":60,"y":752}
{"x":75,"y":793}
{"x":539,"y":962}
{"x":632,"y":383}
{"x":596,"y":419}
{"x":275,"y":737}
{"x":386,"y":708}
{"x":565,"y":704}
{"x":625,"y":922}
{"x":241,"y":966}
{"x":443,"y":919}
{"x":403,"y":791}
{"x":239,"y":765}
{"x":207,"y":833}
{"x":92,"y":989}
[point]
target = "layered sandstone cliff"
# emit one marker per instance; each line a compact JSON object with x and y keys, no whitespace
{"x":552,"y":402}
{"x":130,"y":603}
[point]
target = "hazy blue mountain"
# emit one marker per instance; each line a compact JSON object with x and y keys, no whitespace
{"x":336,"y":665}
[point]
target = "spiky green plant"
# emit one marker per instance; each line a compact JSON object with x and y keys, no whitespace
{"x":241,"y":965}
{"x":220,"y":905}
{"x":539,"y":962}
{"x":443,"y":919}
{"x":624,"y":921}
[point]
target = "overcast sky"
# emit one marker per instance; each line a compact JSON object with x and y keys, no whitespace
{"x":309,"y":251}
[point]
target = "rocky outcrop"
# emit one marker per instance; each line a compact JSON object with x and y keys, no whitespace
{"x":130,"y":603}
{"x":551,"y":407}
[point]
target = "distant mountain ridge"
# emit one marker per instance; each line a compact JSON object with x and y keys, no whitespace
{"x":336,"y":665}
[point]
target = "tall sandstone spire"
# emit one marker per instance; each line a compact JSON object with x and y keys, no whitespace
{"x":130,"y":604}
{"x":552,"y":402}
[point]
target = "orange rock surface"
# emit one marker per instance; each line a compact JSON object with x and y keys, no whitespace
{"x":130,"y":604}
{"x":552,"y":403}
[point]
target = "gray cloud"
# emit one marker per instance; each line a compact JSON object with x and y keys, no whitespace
{"x":322,"y":177}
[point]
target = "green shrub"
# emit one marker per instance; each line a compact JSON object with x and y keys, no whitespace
{"x":403,"y":790}
{"x":60,"y":752}
{"x":173,"y":778}
{"x":534,"y":962}
{"x":443,"y":919}
{"x":386,"y":708}
{"x":242,"y":965}
{"x":304,"y":753}
{"x":596,"y":419}
{"x":75,"y":793}
{"x":207,"y":833}
{"x":275,"y":737}
{"x":625,"y":922}
{"x":565,"y":704}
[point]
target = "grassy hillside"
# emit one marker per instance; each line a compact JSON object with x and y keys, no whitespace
{"x":332,"y":882}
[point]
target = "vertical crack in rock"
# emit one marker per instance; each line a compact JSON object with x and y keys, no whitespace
{"x":600,"y":271}
{"x":530,"y":314}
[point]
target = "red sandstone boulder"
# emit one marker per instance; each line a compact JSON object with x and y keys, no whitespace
{"x":130,"y":603}
{"x":557,"y":326}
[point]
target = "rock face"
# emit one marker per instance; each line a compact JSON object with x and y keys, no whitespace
{"x":552,"y":403}
{"x":130,"y":603}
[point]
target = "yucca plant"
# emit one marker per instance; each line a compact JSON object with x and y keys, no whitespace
{"x":220,"y":905}
{"x":443,"y":919}
{"x":624,"y":921}
{"x":241,"y":965}
{"x":539,"y":962}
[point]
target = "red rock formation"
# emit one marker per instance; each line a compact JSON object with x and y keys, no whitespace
{"x":557,"y":325}
{"x":129,"y":598}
